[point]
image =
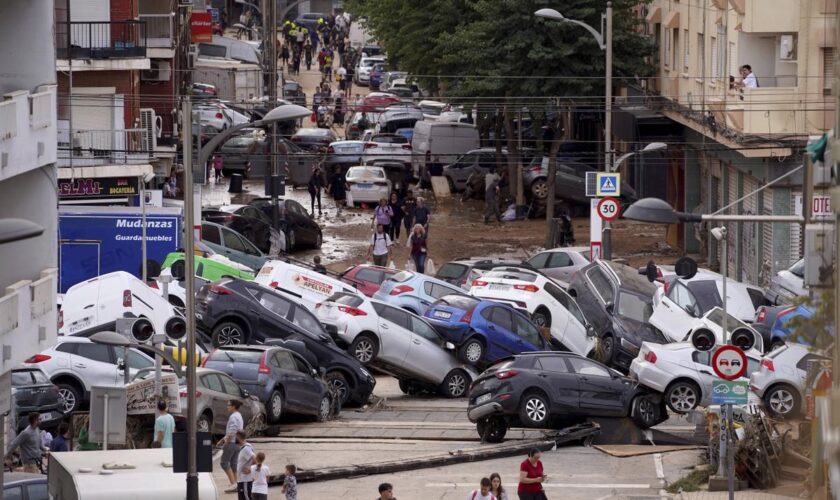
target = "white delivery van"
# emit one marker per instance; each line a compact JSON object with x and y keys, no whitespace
{"x":446,"y":141}
{"x":302,"y":284}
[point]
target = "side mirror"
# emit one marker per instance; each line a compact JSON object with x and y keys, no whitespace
{"x":245,"y":394}
{"x":609,"y":306}
{"x":314,"y":373}
{"x":449,"y":346}
{"x":590,"y":331}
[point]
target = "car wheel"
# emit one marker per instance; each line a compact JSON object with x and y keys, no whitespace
{"x":533,"y":409}
{"x":782,"y":401}
{"x":608,"y":346}
{"x":324,"y":409}
{"x":290,"y":241}
{"x":645,"y":413}
{"x":274,"y":408}
{"x":539,"y":188}
{"x":364,"y":348}
{"x":456,"y":384}
{"x":70,"y":395}
{"x":228,"y":333}
{"x":339,"y":383}
{"x":472,"y":351}
{"x":405,"y":386}
{"x":492,"y":429}
{"x":319,"y":240}
{"x":776,"y":344}
{"x":542,"y":318}
{"x":204,"y":423}
{"x":451,"y":184}
{"x":682,"y":396}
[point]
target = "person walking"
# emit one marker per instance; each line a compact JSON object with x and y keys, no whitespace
{"x":496,"y":487}
{"x":338,"y":188}
{"x":284,"y":54}
{"x":382,"y":214}
{"x":409,"y":204}
{"x":307,"y":53}
{"x":396,"y":219}
{"x":164,"y":425}
{"x":386,"y":492}
{"x":228,"y":443}
{"x":380,"y":246}
{"x":315,"y":185}
{"x":419,"y":251}
{"x":317,"y":266}
{"x":60,"y":443}
{"x":260,"y":473}
{"x":244,"y":461}
{"x":491,"y":196}
{"x":483,"y":492}
{"x":290,"y":483}
{"x":422,"y":214}
{"x":218,"y":166}
{"x":29,"y":442}
{"x":531,"y":477}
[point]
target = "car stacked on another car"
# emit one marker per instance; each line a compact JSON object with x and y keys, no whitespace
{"x":787,"y":285}
{"x":234,"y":246}
{"x":255,"y":230}
{"x":560,"y":263}
{"x":464,"y":270}
{"x":366,"y":278}
{"x":414,"y":292}
{"x":782,"y":380}
{"x":297,"y":226}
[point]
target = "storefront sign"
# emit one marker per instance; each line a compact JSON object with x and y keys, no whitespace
{"x":201,"y":24}
{"x":143,"y":400}
{"x":98,"y":188}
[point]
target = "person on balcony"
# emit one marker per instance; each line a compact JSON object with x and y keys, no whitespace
{"x":748,"y":79}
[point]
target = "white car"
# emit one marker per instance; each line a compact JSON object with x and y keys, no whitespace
{"x":787,"y":285}
{"x":365,"y":66}
{"x":560,"y":263}
{"x":782,"y":379}
{"x":95,"y":304}
{"x":544,"y":302}
{"x":368,"y":184}
{"x":432,"y":109}
{"x":712,"y":321}
{"x":387,"y":147}
{"x":75,"y":364}
{"x":302,"y":284}
{"x":681,"y":373}
{"x":397,"y":342}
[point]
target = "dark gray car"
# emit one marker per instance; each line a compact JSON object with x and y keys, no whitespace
{"x":256,"y":149}
{"x":314,"y":138}
{"x":35,"y":393}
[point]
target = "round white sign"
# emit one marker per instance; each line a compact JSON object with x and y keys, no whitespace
{"x":609,"y":209}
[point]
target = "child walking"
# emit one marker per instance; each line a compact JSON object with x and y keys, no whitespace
{"x":290,"y":484}
{"x":260,"y":473}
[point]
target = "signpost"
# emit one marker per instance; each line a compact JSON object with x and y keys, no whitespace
{"x":608,"y":184}
{"x":594,"y":229}
{"x":729,"y":363}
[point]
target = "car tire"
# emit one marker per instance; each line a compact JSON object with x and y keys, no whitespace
{"x":456,"y":384}
{"x":205,"y":423}
{"x":608,"y":348}
{"x":782,"y":401}
{"x":645,"y":412}
{"x":775,"y":344}
{"x":319,"y":240}
{"x":534,"y":409}
{"x":541,"y":317}
{"x":290,"y":241}
{"x":338,"y":381}
{"x":364,"y":348}
{"x":71,"y":395}
{"x":539,"y":189}
{"x":472,"y":351}
{"x":682,"y":396}
{"x":274,"y":407}
{"x":228,"y":333}
{"x":405,"y":386}
{"x":492,"y":429}
{"x":324,"y":409}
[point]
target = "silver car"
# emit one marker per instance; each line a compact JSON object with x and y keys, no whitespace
{"x":345,"y":153}
{"x":787,"y":285}
{"x":560,"y":263}
{"x":782,"y":379}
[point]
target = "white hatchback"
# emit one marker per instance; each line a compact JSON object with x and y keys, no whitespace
{"x":543,"y":300}
{"x":782,"y":380}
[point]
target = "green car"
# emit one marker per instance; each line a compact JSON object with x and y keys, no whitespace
{"x":210,"y":269}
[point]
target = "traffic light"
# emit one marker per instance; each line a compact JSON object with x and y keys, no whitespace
{"x":703,"y":339}
{"x":175,"y":328}
{"x":743,"y":339}
{"x":141,"y":330}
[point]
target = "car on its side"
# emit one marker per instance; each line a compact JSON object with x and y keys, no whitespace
{"x":414,"y":292}
{"x":681,"y":373}
{"x":282,"y":379}
{"x":210,"y":268}
{"x":297,"y":226}
{"x":312,"y":139}
{"x":560,"y":263}
{"x":235,"y":311}
{"x":367,"y":184}
{"x":462,"y":271}
{"x":397,"y":342}
{"x":34,"y":393}
{"x":366,"y":278}
{"x":782,"y":380}
{"x":234,"y":246}
{"x":483,"y":330}
{"x":787,"y":285}
{"x":617,"y":301}
{"x":302,"y":284}
{"x":543,"y":388}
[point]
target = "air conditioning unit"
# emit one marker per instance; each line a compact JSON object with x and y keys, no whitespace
{"x":149,"y":123}
{"x":192,"y":55}
{"x":787,"y":47}
{"x":160,"y":71}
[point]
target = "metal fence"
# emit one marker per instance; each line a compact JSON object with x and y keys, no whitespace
{"x":112,"y":146}
{"x":158,"y":29}
{"x":101,"y":39}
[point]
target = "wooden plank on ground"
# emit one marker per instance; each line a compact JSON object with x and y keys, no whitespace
{"x":633,"y":450}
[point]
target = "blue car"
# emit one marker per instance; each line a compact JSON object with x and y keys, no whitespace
{"x":783,"y":328}
{"x":376,"y":76}
{"x":484,"y":331}
{"x":414,"y":292}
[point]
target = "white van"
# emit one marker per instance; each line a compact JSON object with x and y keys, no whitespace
{"x":300,"y":283}
{"x":444,"y":141}
{"x":94,"y":305}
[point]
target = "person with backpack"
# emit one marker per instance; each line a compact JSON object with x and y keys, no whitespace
{"x":383,"y":214}
{"x":483,"y":493}
{"x":396,"y":219}
{"x":380,"y":247}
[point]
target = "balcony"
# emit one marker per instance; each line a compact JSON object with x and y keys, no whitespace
{"x":101,"y":40}
{"x":92,"y":148}
{"x":768,"y":16}
{"x":27,"y":131}
{"x":28,"y":319}
{"x":769,"y":111}
{"x":159,"y":30}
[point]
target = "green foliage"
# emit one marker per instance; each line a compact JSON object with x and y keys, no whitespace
{"x":818,"y":330}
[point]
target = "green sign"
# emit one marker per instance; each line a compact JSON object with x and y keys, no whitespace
{"x":726,"y":392}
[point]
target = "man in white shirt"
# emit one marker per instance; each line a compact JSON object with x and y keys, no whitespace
{"x":380,"y":246}
{"x":244,"y":460}
{"x":482,"y":493}
{"x":748,"y":79}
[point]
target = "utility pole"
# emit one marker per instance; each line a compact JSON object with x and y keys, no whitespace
{"x":835,"y":203}
{"x":270,"y":51}
{"x":608,"y":167}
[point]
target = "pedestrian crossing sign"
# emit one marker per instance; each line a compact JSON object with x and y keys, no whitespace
{"x":608,"y":184}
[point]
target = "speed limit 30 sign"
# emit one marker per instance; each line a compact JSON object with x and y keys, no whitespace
{"x":609,"y":209}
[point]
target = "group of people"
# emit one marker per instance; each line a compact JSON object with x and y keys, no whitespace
{"x":388,"y":217}
{"x":33,"y":443}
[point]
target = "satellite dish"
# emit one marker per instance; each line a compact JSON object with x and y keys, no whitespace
{"x":686,"y":268}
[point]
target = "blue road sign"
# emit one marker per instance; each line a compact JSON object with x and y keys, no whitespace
{"x":726,"y":392}
{"x":609,"y":184}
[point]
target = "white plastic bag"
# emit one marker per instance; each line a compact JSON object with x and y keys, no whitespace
{"x":409,"y":265}
{"x":348,"y":198}
{"x":430,"y":267}
{"x":391,"y":265}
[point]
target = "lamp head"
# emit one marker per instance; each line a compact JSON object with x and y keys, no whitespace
{"x":550,"y":14}
{"x":655,"y":146}
{"x":18,"y":229}
{"x":110,"y":338}
{"x":652,"y":210}
{"x":287,"y":112}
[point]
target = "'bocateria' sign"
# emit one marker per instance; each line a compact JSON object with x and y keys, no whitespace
{"x":101,"y":188}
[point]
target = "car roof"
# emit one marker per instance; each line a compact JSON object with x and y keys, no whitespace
{"x":566,"y":249}
{"x":628,"y":277}
{"x":313,"y":131}
{"x":72,"y":338}
{"x":13,"y":478}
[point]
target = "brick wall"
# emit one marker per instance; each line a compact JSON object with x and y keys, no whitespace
{"x":160,"y":97}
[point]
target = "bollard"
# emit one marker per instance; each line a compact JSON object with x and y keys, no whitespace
{"x":235,"y":183}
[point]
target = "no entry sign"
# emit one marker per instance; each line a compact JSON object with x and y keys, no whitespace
{"x":729,"y":362}
{"x":609,"y":209}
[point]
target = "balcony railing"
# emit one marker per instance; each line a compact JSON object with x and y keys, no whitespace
{"x":41,"y":109}
{"x":158,"y":30}
{"x":8,"y":119}
{"x":28,"y":318}
{"x":101,"y":40}
{"x":104,"y":147}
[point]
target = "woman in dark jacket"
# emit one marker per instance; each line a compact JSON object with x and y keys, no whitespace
{"x":396,"y":219}
{"x":337,"y":188}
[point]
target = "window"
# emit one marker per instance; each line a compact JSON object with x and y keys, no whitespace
{"x":437,"y":291}
{"x":370,"y":275}
{"x":828,"y":70}
{"x":601,"y":284}
{"x":686,"y":50}
{"x":555,"y":364}
{"x":715,"y":67}
{"x":667,"y":57}
{"x":138,"y":361}
{"x":232,"y":240}
{"x":586,"y":367}
{"x":560,"y":259}
{"x":229,"y":386}
{"x":212,"y":382}
{"x":68,"y":347}
{"x":466,"y":161}
{"x":540,"y":260}
{"x":96,"y":352}
{"x":274,"y":304}
{"x":721,"y":47}
{"x":803,"y":363}
{"x":502,"y":318}
{"x":302,"y":366}
{"x":235,"y":356}
{"x":566,"y":301}
{"x":675,"y":47}
{"x":305,"y":320}
{"x":210,"y":234}
{"x":393,"y":315}
{"x":424,"y":330}
{"x":39,"y":377}
{"x":12,"y":493}
{"x":487,"y":160}
{"x":527,"y":331}
{"x":284,"y":361}
{"x":37,"y":491}
{"x":701,"y":55}
{"x":21,"y":378}
{"x":451,"y":271}
{"x":635,"y":307}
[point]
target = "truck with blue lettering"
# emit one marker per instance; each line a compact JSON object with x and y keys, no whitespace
{"x":98,"y":240}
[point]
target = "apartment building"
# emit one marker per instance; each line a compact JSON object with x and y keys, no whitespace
{"x":736,"y":139}
{"x":28,"y":316}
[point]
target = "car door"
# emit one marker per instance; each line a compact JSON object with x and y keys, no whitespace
{"x":670,"y":316}
{"x":269,"y":310}
{"x":394,"y":334}
{"x":95,"y":364}
{"x":529,"y":334}
{"x":601,"y":391}
{"x":502,"y":341}
{"x":286,"y":370}
{"x":427,"y":356}
{"x":701,"y":365}
{"x":218,"y":401}
{"x":211,"y":236}
{"x":232,"y":391}
{"x":311,"y":387}
{"x":561,"y":383}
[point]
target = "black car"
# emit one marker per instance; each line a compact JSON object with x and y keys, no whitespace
{"x":294,"y":221}
{"x":254,"y":230}
{"x":314,"y":138}
{"x":35,"y":393}
{"x":25,"y":486}
{"x":542,"y":389}
{"x":234,"y":311}
{"x":282,"y":379}
{"x":618,"y":302}
{"x":293,"y":92}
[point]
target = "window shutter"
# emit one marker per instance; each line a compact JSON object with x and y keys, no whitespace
{"x":828,"y":70}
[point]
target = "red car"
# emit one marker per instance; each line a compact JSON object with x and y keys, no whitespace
{"x":377,"y":101}
{"x":367,"y":279}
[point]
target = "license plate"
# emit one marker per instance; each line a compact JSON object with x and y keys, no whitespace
{"x":498,"y":287}
{"x":79,"y":325}
{"x":482,"y":399}
{"x":442,"y":314}
{"x":44,"y":416}
{"x":364,"y":185}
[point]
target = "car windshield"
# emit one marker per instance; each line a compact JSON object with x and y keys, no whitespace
{"x":389,"y":139}
{"x":21,"y":378}
{"x":463,"y":302}
{"x":239,"y":142}
{"x":234,"y":356}
{"x":798,"y":269}
{"x":451,"y":271}
{"x":401,"y":276}
{"x":346,"y":299}
{"x":366,"y":172}
{"x":716,"y":317}
{"x":634,"y":306}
